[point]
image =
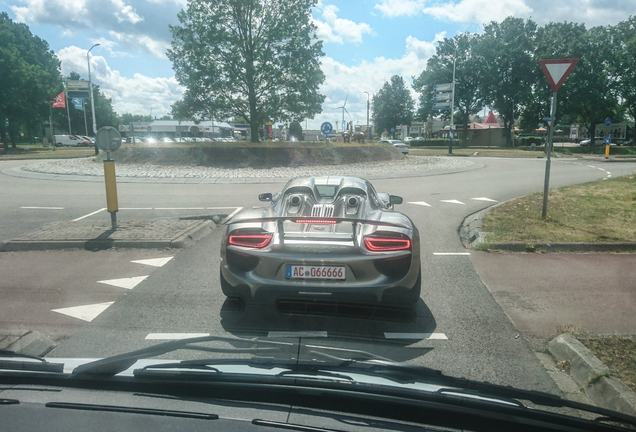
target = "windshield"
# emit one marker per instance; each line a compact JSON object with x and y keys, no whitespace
{"x":164,"y":177}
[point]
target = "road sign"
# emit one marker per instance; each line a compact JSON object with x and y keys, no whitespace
{"x":392,"y":130}
{"x":608,"y":122}
{"x":442,"y":97}
{"x":450,"y":132}
{"x":108,"y":139}
{"x":556,"y":71}
{"x":443,"y":87}
{"x":608,"y":140}
{"x":441,"y":105}
{"x":326,"y":128}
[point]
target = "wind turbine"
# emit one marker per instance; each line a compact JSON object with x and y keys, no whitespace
{"x":343,"y":111}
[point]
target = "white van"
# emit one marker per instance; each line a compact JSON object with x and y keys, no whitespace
{"x":68,"y":140}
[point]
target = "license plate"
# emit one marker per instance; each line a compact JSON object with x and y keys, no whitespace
{"x":315,"y":272}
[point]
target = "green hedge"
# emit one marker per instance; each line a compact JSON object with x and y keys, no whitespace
{"x":528,"y":141}
{"x":437,"y":142}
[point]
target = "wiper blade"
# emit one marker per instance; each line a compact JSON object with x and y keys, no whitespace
{"x":10,"y":360}
{"x":111,"y":366}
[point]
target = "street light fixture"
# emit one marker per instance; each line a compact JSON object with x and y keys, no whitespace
{"x":90,"y":86}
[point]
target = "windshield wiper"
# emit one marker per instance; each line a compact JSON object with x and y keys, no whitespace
{"x":10,"y":360}
{"x":111,"y":366}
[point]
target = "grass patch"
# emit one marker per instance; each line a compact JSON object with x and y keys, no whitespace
{"x":600,"y":211}
{"x":619,"y":354}
{"x":38,"y":151}
{"x":493,"y":152}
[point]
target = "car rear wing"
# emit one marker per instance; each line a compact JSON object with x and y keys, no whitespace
{"x":279,"y":220}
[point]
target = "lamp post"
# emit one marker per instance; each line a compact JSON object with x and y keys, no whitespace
{"x":368,"y":131}
{"x":90,"y":88}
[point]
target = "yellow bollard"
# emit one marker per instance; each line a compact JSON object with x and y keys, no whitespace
{"x":607,"y":151}
{"x":111,"y":186}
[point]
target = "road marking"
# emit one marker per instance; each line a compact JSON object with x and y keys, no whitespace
{"x":174,"y":336}
{"x":219,"y":208}
{"x":127,"y":283}
{"x":135,"y":208}
{"x":43,"y":208}
{"x":484,"y":199}
{"x":282,"y":334}
{"x":591,"y":166}
{"x":90,"y":214}
{"x":422,"y":203}
{"x":452,"y":202}
{"x":436,"y":336}
{"x":155,"y":262}
{"x":85,"y":312}
{"x":451,"y":253}
{"x":180,"y":208}
{"x":238,"y":209}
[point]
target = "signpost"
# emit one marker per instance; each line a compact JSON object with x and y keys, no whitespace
{"x":326,"y":128}
{"x":556,"y":71}
{"x":109,"y":140}
{"x":445,"y":93}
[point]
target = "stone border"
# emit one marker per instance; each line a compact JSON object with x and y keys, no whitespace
{"x":26,"y":342}
{"x":472,"y":237}
{"x":592,"y":375}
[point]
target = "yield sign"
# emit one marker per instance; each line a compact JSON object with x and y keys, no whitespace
{"x":557,"y":71}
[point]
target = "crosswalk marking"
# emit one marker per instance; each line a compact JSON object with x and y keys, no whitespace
{"x":452,"y":202}
{"x":127,"y":283}
{"x":84,"y":312}
{"x":155,"y":262}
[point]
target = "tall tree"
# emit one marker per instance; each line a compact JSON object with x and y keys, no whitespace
{"x":256,"y":59}
{"x":623,"y":65}
{"x":506,"y":52}
{"x":29,"y":77}
{"x":468,"y":77}
{"x":392,"y":105}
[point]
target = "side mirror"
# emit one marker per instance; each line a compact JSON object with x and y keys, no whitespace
{"x":396,"y":199}
{"x":265,"y":197}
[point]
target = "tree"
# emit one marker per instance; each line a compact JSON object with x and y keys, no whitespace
{"x":29,"y":77}
{"x":296,"y":130}
{"x":256,"y":59}
{"x":623,"y":64}
{"x":392,"y":105}
{"x":127,"y":118}
{"x":506,"y":53}
{"x":468,"y":77}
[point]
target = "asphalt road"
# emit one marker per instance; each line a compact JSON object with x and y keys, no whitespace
{"x":458,"y":327}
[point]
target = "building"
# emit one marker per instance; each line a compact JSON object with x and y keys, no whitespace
{"x":178,"y":129}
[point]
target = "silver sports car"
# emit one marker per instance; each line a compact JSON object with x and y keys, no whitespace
{"x":329,"y":238}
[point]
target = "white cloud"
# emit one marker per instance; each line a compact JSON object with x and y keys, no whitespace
{"x":154,"y":47}
{"x":479,"y":11}
{"x":338,"y":30}
{"x":126,"y":12}
{"x":395,"y":8}
{"x":423,"y":49}
{"x":138,"y":95}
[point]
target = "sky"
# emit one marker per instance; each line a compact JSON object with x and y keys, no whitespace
{"x":365,"y":42}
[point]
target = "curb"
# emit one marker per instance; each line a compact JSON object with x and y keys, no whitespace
{"x":592,"y":375}
{"x":472,"y":237}
{"x":27,"y":342}
{"x":187,"y":239}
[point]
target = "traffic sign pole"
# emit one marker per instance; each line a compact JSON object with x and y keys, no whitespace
{"x":548,"y":161}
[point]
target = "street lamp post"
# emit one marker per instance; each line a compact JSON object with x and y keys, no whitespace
{"x":90,"y":88}
{"x":368,"y":131}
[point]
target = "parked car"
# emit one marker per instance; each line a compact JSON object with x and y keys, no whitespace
{"x":322,"y":235}
{"x":68,"y":141}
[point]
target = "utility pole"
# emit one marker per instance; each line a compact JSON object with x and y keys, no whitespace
{"x":368,"y":131}
{"x":90,"y":89}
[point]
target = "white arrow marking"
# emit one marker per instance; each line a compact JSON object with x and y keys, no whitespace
{"x":155,"y":262}
{"x":86,"y":312}
{"x":484,"y":199}
{"x":452,"y":202}
{"x":128,"y":283}
{"x":422,"y":203}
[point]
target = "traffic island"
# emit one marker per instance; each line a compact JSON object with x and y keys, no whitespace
{"x":91,"y":235}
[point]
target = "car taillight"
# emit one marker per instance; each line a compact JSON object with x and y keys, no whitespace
{"x":382,"y":244}
{"x":250,"y":240}
{"x":316,"y":221}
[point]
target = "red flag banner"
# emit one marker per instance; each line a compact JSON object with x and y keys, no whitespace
{"x":60,"y":101}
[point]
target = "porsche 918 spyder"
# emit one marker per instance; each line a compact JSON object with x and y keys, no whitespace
{"x":325,"y":238}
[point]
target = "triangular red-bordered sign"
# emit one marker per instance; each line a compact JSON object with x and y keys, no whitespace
{"x":557,"y":70}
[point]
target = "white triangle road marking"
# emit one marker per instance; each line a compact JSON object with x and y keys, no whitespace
{"x":438,"y":336}
{"x":422,"y":203}
{"x":174,"y":336}
{"x":155,"y":262}
{"x":85,"y":312}
{"x":484,"y":199}
{"x":452,"y":202}
{"x":127,"y":283}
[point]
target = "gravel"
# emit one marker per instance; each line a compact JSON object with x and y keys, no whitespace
{"x":90,"y":167}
